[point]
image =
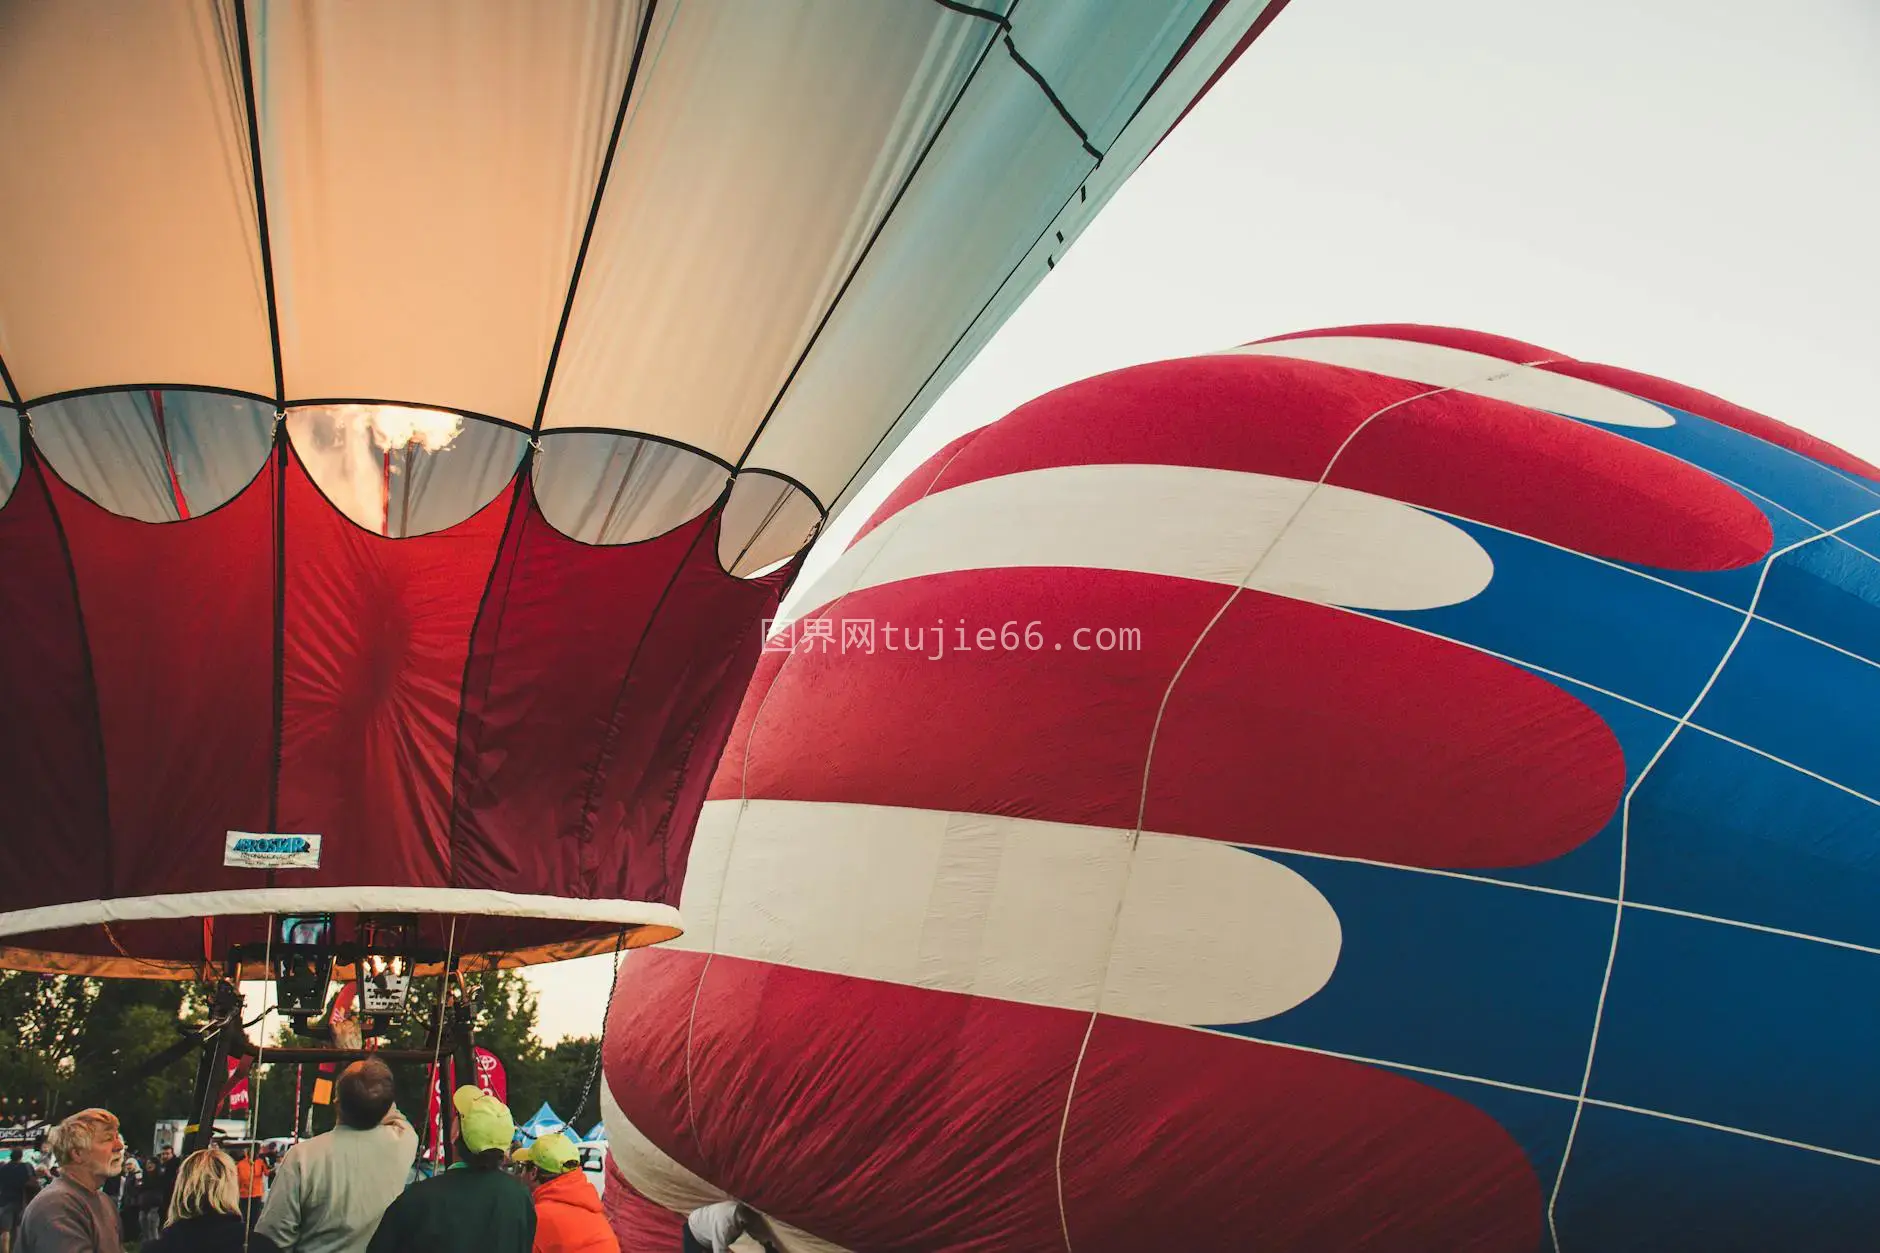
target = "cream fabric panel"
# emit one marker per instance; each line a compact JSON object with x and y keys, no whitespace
{"x":766,"y":520}
{"x":430,"y":166}
{"x":131,"y":250}
{"x":1002,"y":168}
{"x":1161,"y":928}
{"x":764,"y":144}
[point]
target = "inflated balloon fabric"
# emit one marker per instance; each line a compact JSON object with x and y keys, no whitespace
{"x":1387,"y":789}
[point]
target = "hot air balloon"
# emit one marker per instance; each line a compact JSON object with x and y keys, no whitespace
{"x":412,"y":411}
{"x":1388,"y":788}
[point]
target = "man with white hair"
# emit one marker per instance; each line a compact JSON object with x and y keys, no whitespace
{"x":72,"y":1214}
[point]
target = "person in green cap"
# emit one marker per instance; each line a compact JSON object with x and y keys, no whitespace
{"x":475,"y":1206}
{"x":568,"y":1215}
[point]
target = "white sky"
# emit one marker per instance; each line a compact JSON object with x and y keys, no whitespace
{"x":1685,"y":187}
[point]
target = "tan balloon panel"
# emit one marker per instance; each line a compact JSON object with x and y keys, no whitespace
{"x":430,"y":166}
{"x":762,"y":148}
{"x":129,"y":250}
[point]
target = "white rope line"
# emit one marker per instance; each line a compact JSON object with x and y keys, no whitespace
{"x":254,"y":1073}
{"x":1594,"y":898}
{"x":1549,"y":1093}
{"x":1142,"y":801}
{"x":1618,"y":696}
{"x":1625,"y":823}
{"x":895,"y":521}
{"x":437,"y":1042}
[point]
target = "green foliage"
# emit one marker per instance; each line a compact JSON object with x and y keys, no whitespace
{"x":556,"y":1075}
{"x":66,"y":1043}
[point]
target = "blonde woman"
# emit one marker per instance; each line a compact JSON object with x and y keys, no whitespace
{"x":205,"y":1210}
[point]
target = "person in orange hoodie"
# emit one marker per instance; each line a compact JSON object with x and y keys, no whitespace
{"x":568,"y":1217}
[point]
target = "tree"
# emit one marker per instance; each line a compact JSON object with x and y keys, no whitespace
{"x":67,"y":1043}
{"x":559,"y":1076}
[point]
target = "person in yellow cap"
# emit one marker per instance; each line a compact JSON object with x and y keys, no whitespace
{"x":568,"y":1216}
{"x":475,"y":1206}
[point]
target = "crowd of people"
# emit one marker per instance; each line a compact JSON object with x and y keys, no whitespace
{"x":346,"y":1191}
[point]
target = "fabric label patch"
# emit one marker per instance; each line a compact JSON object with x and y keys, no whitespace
{"x":255,"y":851}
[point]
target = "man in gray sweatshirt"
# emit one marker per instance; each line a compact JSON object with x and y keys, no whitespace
{"x":72,"y":1214}
{"x":330,"y":1192}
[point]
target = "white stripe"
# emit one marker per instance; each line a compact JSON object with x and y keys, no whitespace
{"x":1458,"y":369}
{"x":403,"y":900}
{"x":1625,"y":824}
{"x":1148,"y":762}
{"x":1306,"y":540}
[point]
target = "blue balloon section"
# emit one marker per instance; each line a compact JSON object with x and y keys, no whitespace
{"x":1733,"y":1097}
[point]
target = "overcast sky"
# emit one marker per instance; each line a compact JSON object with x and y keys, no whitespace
{"x":1685,"y":187}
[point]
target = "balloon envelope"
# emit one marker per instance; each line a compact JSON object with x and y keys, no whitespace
{"x":412,"y":411}
{"x":1389,"y":788}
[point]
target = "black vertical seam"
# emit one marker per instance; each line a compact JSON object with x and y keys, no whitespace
{"x":459,"y":759}
{"x":1063,"y":110}
{"x":594,"y":213}
{"x":278,"y":695}
{"x":30,"y":460}
{"x":610,"y":734}
{"x":6,"y":380}
{"x":835,"y":302}
{"x":261,"y":198}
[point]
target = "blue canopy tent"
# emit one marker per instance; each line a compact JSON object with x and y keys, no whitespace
{"x":597,"y":1134}
{"x":541,"y":1123}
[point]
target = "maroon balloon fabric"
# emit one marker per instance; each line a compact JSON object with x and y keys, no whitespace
{"x":492,"y":706}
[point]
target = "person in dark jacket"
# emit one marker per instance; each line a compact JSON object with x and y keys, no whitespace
{"x":205,"y":1210}
{"x":153,"y":1197}
{"x":475,"y":1206}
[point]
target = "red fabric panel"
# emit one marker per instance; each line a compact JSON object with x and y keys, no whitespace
{"x":376,"y":635}
{"x":674,"y":712}
{"x":1295,"y":747}
{"x":51,"y":766}
{"x":1463,"y":454}
{"x":1187,"y":1140}
{"x":1705,"y":405}
{"x":575,"y":777}
{"x":643,"y":1046}
{"x":891,"y":1118}
{"x":180,"y":620}
{"x":1427,"y":754}
{"x":932,"y":1126}
{"x":1605,"y":494}
{"x":982,"y":731}
{"x":1263,"y":415}
{"x":1445,"y":336}
{"x":728,"y":779}
{"x":639,"y":1225}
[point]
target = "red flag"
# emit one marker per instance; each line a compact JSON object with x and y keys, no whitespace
{"x":491,"y":1077}
{"x":236,"y":1093}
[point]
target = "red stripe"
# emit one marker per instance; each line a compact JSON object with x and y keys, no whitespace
{"x":638,"y":1224}
{"x":1568,"y":483}
{"x":887,"y":1117}
{"x":1294,"y":725}
{"x":1705,"y":405}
